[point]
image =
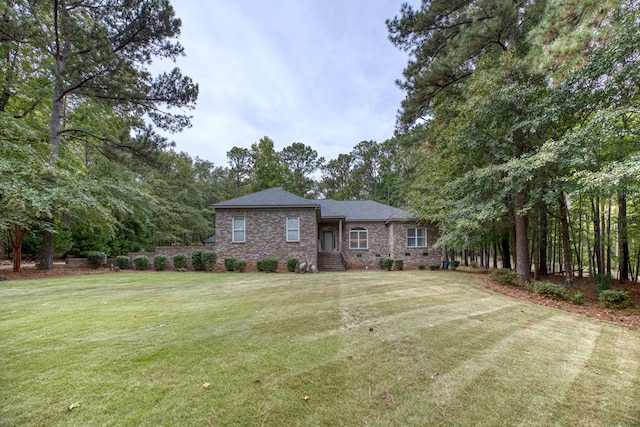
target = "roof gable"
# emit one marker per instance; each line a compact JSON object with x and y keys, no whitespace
{"x":272,"y":197}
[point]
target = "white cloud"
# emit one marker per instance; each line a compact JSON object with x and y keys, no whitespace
{"x":317,"y":72}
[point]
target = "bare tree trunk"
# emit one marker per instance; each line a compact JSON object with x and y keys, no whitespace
{"x":608,"y":236}
{"x":623,"y":238}
{"x":16,"y":236}
{"x":597,"y":238}
{"x":566,"y":245}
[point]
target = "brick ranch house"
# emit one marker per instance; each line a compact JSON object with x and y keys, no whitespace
{"x":333,"y":234}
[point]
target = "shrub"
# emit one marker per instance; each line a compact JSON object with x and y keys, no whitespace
{"x":229,"y":264}
{"x":399,"y":264}
{"x":614,"y":299}
{"x":577,"y":298}
{"x":604,"y":282}
{"x":123,"y":262}
{"x":196,"y":260}
{"x":291,"y":264}
{"x":160,"y":262}
{"x":239,"y":266}
{"x":180,"y":261}
{"x":473,"y":264}
{"x":455,"y":264}
{"x":503,"y":275}
{"x":268,"y":265}
{"x":550,"y":290}
{"x":209,"y":260}
{"x":421,"y":267}
{"x":96,"y":259}
{"x":434,"y":267}
{"x":386,"y":264}
{"x":141,"y":262}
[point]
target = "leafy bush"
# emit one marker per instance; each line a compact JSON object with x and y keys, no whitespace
{"x":123,"y":262}
{"x":96,"y":259}
{"x":229,"y":264}
{"x":577,"y":298}
{"x":614,"y":299}
{"x":209,"y":260}
{"x":504,"y":276}
{"x":421,"y":267}
{"x":604,"y":282}
{"x":398,"y":263}
{"x":141,"y":262}
{"x":291,"y":264}
{"x":239,"y":266}
{"x":196,"y":260}
{"x":160,"y":262}
{"x":550,"y":290}
{"x":455,"y":264}
{"x":180,"y":261}
{"x":434,"y":267}
{"x":474,"y":264}
{"x":268,"y":265}
{"x":386,"y":263}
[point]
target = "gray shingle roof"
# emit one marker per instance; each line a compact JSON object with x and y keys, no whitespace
{"x":350,"y":210}
{"x":271,"y":197}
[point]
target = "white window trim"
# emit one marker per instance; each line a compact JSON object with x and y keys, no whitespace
{"x":296,"y":229}
{"x":416,"y":238}
{"x":243,"y":229}
{"x":360,"y":231}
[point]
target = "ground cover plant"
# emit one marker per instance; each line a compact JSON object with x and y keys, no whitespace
{"x":356,"y":348}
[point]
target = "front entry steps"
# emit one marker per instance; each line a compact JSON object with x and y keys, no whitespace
{"x":330,"y":261}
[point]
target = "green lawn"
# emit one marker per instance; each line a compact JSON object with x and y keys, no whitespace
{"x":368,"y":349}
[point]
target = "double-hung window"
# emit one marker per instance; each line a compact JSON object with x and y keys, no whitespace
{"x":293,"y":229}
{"x":239,"y":230}
{"x":416,"y":237}
{"x":358,"y":238}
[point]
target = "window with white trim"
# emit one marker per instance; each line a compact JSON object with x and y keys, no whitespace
{"x":239,"y":230}
{"x":358,"y":238}
{"x":417,"y":237}
{"x":293,"y":229}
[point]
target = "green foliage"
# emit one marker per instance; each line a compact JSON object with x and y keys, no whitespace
{"x":141,"y":262}
{"x":208,"y":260}
{"x":454,"y":264}
{"x":386,"y":263}
{"x":577,"y":298}
{"x":504,"y":276}
{"x":550,"y":290}
{"x":160,"y":262}
{"x":604,"y":282}
{"x":229,"y":264}
{"x":398,"y":263}
{"x":180,"y":261}
{"x":291,"y":264}
{"x":611,"y":298}
{"x":239,"y":266}
{"x":123,"y":262}
{"x":196,"y":260}
{"x":434,"y":267}
{"x":268,"y":265}
{"x":421,"y":267}
{"x":96,"y":259}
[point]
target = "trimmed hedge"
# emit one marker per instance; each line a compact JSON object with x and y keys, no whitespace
{"x":268,"y":265}
{"x":291,"y":264}
{"x":96,"y":259}
{"x":239,"y":266}
{"x":160,"y":262}
{"x":229,"y":264}
{"x":209,"y":260}
{"x":180,"y":261}
{"x":398,"y":263}
{"x":196,"y":260}
{"x":123,"y":262}
{"x":386,"y":263}
{"x":141,"y":262}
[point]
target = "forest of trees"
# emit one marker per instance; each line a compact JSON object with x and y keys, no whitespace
{"x":519,"y":134}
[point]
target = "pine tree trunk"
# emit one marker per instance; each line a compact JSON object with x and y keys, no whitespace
{"x":597,"y":246}
{"x":506,"y":253}
{"x":566,"y":245}
{"x":623,"y":238}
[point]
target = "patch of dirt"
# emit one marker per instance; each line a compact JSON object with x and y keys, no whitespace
{"x":30,"y":271}
{"x":591,"y":307}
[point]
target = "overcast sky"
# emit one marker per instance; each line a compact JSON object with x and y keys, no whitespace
{"x":320,"y":72}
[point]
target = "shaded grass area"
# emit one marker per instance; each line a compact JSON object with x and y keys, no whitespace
{"x":377,"y":348}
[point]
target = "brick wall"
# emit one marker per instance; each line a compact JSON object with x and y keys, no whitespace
{"x":266,"y":235}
